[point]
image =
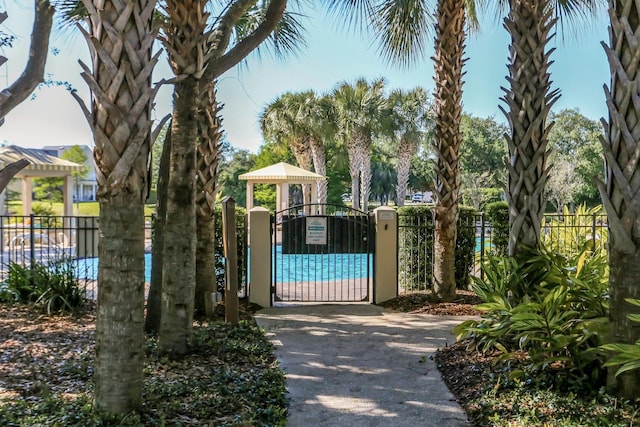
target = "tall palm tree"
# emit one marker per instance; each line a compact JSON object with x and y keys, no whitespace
{"x":120,"y":38}
{"x":401,"y":29}
{"x":410,"y":111}
{"x":358,"y":110}
{"x":620,"y":190}
{"x":283,"y":123}
{"x":529,"y":99}
{"x":199,"y":55}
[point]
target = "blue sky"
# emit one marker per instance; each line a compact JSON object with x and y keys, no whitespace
{"x":332,"y":55}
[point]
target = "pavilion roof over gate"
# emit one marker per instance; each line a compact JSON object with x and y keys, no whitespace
{"x":282,"y":173}
{"x":40,"y":163}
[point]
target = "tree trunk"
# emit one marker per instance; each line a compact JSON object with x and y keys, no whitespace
{"x":185,"y":39}
{"x":154,"y":299}
{"x":320,"y":166}
{"x":179,"y":254}
{"x":365,"y":176}
{"x":207,"y":164}
{"x":619,"y":192}
{"x":120,"y":313}
{"x":448,"y":60}
{"x":406,"y":150}
{"x":120,"y":119}
{"x":529,"y":100}
{"x":354,"y":172}
{"x":33,"y":73}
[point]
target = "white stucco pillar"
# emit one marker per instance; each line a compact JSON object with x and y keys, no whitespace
{"x":27,"y":189}
{"x":385,"y":276}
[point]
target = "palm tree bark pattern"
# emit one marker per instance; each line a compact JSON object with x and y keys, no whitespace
{"x":185,"y":41}
{"x":529,"y":100}
{"x":620,"y":192}
{"x":207,"y":165}
{"x":448,"y":63}
{"x":120,"y":40}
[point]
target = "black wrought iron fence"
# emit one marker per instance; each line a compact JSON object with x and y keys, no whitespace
{"x":565,"y":234}
{"x":72,"y":241}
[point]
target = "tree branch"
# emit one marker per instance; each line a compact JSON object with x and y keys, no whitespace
{"x":33,"y":73}
{"x":218,"y":65}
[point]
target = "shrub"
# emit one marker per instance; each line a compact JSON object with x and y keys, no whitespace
{"x":553,"y":307}
{"x":415,"y":251}
{"x":52,"y":286}
{"x":498,"y":216}
{"x":628,"y":355}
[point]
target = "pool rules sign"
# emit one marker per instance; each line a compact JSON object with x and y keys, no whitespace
{"x":316,"y":230}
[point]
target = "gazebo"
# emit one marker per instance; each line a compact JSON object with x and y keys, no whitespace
{"x":282,"y":175}
{"x":41,"y":165}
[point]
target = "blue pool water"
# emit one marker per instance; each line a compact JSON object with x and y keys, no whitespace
{"x":288,"y":267}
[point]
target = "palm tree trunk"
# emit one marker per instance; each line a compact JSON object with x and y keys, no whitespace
{"x":207,"y":164}
{"x":354,"y":172}
{"x":365,"y":175}
{"x":529,"y":100}
{"x":185,"y":40}
{"x":320,"y":165}
{"x":179,"y":253}
{"x":619,"y":193}
{"x":406,"y":151}
{"x":154,"y":299}
{"x":448,"y":60}
{"x":120,"y":119}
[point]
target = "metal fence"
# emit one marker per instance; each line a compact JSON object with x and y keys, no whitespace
{"x":565,"y":234}
{"x":71,"y":242}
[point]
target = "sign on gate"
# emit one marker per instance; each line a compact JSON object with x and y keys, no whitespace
{"x":316,"y":231}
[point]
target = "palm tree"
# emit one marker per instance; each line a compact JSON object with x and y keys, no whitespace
{"x":620,"y":189}
{"x":120,"y":118}
{"x":358,"y":110}
{"x":283,"y":123}
{"x":199,"y":57}
{"x":409,"y":115}
{"x":529,"y":99}
{"x":208,"y":160}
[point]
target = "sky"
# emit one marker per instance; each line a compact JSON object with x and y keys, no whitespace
{"x":332,"y":55}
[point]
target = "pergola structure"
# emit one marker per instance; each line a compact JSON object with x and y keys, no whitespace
{"x":282,"y":175}
{"x":41,"y":165}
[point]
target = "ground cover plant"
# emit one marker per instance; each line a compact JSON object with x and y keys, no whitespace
{"x":230,"y":377}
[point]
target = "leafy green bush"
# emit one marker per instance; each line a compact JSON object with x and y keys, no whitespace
{"x":415,"y":251}
{"x":53,"y":286}
{"x":498,"y":216}
{"x":628,"y":355}
{"x":553,"y":307}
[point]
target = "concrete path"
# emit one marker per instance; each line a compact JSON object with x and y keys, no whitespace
{"x":361,"y":365}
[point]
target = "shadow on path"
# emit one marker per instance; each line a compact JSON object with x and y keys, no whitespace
{"x":359,"y":365}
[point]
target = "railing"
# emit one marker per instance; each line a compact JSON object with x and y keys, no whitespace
{"x":561,"y":233}
{"x":72,"y":242}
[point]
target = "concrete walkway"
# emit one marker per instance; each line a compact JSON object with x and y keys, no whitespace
{"x":361,"y":365}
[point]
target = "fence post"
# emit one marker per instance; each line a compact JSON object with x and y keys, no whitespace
{"x":259,"y":257}
{"x":32,"y":237}
{"x":385,"y":266}
{"x":482,"y":231}
{"x":230,"y":245}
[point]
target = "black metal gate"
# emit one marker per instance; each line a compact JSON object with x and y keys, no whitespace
{"x":321,"y":253}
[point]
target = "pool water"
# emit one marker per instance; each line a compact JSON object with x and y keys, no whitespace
{"x":288,"y":267}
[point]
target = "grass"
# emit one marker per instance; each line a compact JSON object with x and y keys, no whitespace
{"x":79,"y":209}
